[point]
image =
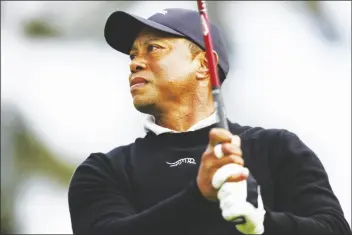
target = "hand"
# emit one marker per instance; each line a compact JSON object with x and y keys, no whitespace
{"x":240,"y":202}
{"x":230,"y":146}
{"x":233,"y":209}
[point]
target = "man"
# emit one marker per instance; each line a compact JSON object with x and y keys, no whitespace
{"x":173,"y":180}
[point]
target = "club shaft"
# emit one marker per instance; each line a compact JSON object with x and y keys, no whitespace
{"x":217,"y":96}
{"x":220,"y":109}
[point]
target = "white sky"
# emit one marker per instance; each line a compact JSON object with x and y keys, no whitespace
{"x":75,"y":95}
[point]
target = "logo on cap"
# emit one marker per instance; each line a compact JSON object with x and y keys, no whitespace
{"x":205,"y":25}
{"x":162,"y":12}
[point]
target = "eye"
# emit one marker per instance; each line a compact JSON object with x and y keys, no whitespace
{"x":132,"y":56}
{"x":152,"y":47}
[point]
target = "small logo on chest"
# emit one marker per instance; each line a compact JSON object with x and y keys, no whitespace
{"x":182,"y":161}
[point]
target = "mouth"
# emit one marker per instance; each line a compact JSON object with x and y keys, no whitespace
{"x":137,"y":82}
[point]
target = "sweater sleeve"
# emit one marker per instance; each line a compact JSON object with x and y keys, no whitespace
{"x":99,"y":204}
{"x":306,"y":204}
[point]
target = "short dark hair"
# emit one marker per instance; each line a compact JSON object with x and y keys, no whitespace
{"x":194,"y":49}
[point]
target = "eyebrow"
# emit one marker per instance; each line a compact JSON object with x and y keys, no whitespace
{"x":146,"y":42}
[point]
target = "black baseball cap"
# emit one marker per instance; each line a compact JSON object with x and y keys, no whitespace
{"x":122,"y":28}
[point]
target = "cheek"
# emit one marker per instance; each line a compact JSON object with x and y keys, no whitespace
{"x":173,"y":70}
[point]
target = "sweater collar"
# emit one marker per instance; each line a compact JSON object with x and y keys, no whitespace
{"x":151,"y":126}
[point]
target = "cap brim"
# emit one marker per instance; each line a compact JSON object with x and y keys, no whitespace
{"x":122,"y":28}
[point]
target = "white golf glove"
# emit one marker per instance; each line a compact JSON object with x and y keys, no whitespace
{"x":234,"y":204}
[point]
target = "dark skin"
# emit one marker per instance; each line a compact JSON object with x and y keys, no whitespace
{"x":178,"y":94}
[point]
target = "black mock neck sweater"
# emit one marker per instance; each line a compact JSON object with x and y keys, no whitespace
{"x":149,"y":187}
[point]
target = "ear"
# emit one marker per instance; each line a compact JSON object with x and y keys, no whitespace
{"x":203,"y":70}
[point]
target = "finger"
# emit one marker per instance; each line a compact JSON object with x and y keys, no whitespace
{"x":220,"y":150}
{"x":225,"y":201}
{"x":214,"y":165}
{"x":237,"y":210}
{"x":237,"y":178}
{"x":230,"y":193}
{"x":237,"y":160}
{"x":228,"y":171}
{"x":229,"y":159}
{"x":254,"y":218}
{"x":231,"y":149}
{"x":219,"y":135}
{"x":236,"y":140}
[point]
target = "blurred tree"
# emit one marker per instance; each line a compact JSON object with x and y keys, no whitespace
{"x":23,"y":155}
{"x":322,"y":20}
{"x":72,"y":20}
{"x":40,"y":28}
{"x":86,"y":20}
{"x":82,"y":20}
{"x":315,"y":11}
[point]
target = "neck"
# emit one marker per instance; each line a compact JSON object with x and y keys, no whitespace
{"x":181,"y":117}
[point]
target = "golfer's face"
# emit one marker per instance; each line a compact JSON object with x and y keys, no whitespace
{"x":161,"y":67}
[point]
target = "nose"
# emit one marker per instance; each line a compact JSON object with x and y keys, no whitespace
{"x":137,"y":65}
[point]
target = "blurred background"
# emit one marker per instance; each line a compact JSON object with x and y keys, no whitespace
{"x":64,"y":91}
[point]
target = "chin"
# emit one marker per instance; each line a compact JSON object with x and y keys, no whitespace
{"x":144,"y":105}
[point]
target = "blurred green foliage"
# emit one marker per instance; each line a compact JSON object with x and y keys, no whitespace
{"x":90,"y":22}
{"x":40,"y":28}
{"x":34,"y":157}
{"x":23,"y":154}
